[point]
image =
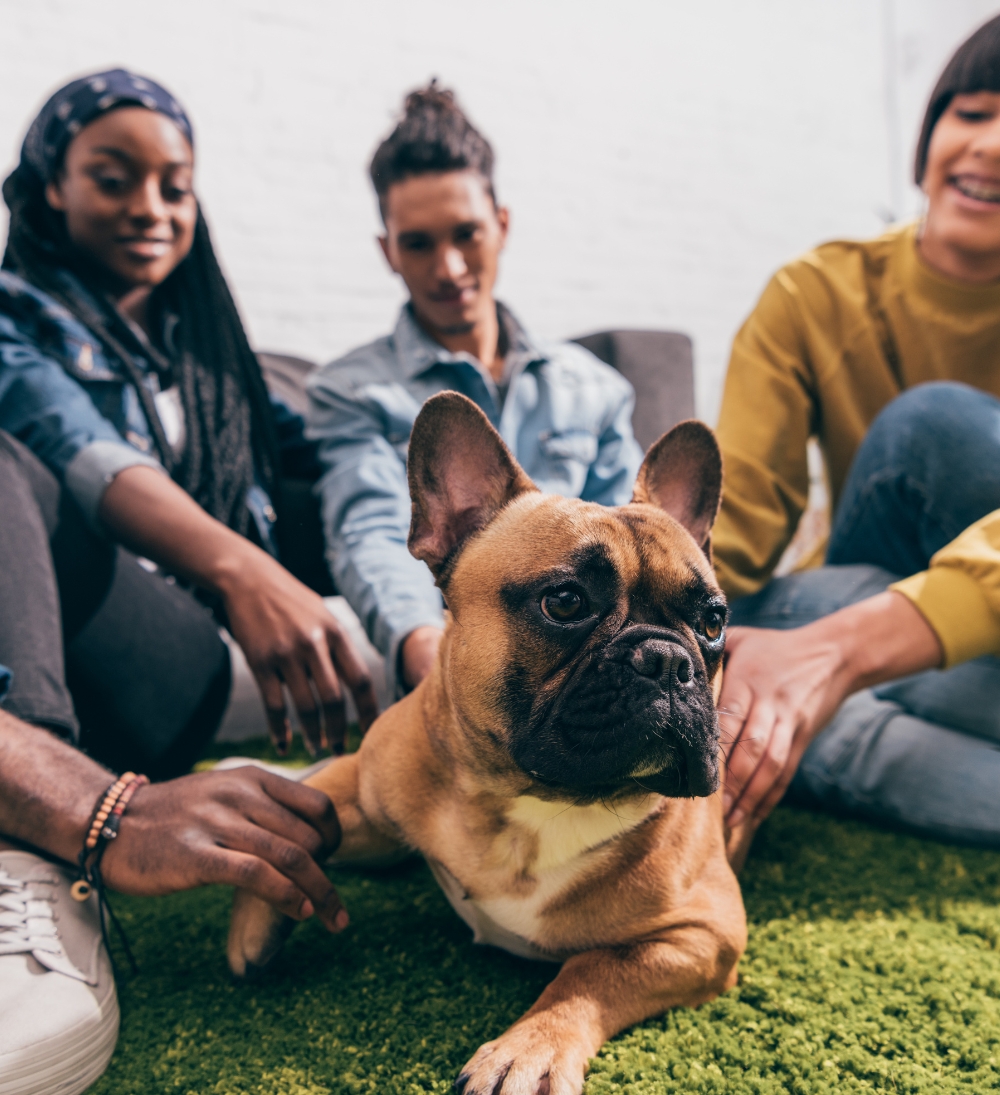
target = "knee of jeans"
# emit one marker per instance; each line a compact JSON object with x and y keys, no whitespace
{"x":943,"y":414}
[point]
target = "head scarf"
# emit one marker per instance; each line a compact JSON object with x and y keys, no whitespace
{"x":81,"y":102}
{"x":230,"y":433}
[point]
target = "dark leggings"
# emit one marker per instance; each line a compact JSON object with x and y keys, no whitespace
{"x":120,"y":661}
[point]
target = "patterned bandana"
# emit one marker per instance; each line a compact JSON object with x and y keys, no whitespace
{"x":79,"y":103}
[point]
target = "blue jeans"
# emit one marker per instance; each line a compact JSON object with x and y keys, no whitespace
{"x":923,"y":752}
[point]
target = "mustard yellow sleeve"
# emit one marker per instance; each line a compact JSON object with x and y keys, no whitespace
{"x":959,"y":594}
{"x":764,"y":425}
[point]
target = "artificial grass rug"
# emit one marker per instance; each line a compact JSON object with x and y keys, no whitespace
{"x":873,"y":965}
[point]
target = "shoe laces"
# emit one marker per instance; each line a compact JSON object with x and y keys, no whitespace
{"x":27,"y":917}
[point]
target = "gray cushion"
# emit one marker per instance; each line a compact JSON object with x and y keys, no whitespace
{"x":286,"y":377}
{"x":660,"y":366}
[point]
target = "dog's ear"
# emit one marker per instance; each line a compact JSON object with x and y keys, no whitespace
{"x":461,"y":475}
{"x":682,"y":474}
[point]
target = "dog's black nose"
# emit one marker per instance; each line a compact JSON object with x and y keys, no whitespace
{"x":663,"y":661}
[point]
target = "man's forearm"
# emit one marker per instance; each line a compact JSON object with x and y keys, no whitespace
{"x":882,"y":638}
{"x":48,"y":789}
{"x":780,"y":688}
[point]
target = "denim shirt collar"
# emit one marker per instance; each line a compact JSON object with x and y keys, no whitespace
{"x":417,"y":351}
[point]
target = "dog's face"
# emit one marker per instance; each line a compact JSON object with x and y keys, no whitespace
{"x":586,"y":641}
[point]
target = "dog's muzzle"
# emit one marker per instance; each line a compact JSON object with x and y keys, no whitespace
{"x":636,"y":710}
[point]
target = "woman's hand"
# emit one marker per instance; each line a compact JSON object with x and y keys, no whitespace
{"x":243,"y":827}
{"x":284,"y":628}
{"x":290,"y":638}
{"x":781,"y":688}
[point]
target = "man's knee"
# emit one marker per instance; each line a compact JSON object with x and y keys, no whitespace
{"x":941,"y":417}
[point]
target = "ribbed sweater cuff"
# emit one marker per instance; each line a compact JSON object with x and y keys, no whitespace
{"x":953,"y":604}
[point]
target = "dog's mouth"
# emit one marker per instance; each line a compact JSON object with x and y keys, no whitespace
{"x":683,"y":778}
{"x":610,"y":727}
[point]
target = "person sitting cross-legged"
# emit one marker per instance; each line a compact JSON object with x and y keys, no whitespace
{"x":565,"y":415}
{"x":888,"y":351}
{"x":141,"y":505}
{"x":246,"y":827}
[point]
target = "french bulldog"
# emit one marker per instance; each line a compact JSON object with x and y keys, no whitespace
{"x":558,"y":768}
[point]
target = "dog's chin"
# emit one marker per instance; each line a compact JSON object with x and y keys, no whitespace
{"x":684,"y":778}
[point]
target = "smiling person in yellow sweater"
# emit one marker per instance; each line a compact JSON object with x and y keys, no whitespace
{"x":888,"y":352}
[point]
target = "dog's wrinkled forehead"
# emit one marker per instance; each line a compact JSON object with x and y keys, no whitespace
{"x":546,"y":538}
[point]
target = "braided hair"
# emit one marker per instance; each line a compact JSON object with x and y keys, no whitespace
{"x":230,"y":434}
{"x":433,"y":136}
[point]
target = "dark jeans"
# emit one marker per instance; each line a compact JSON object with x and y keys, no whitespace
{"x":923,"y":752}
{"x":116,"y":659}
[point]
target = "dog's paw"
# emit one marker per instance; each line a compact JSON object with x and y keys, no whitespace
{"x":532,"y":1058}
{"x":257,"y":932}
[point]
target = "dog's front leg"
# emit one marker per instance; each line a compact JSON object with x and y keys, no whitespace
{"x":597,"y":994}
{"x":257,"y":930}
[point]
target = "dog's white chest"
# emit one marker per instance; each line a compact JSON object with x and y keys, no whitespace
{"x":565,"y":841}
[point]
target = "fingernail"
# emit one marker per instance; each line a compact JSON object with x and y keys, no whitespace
{"x":727,"y":801}
{"x":736,"y":819}
{"x":306,"y":908}
{"x":341,"y":920}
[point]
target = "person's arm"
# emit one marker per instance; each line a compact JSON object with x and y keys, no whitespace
{"x":288,"y":635}
{"x":283,"y":627}
{"x":780,"y":688}
{"x":611,"y":476}
{"x":50,"y":412}
{"x":959,"y":593}
{"x":366,"y":522}
{"x":764,"y":426}
{"x":243,"y":827}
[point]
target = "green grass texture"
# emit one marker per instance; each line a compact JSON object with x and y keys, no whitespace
{"x":873,"y":966}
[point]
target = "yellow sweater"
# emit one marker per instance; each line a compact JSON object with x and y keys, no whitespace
{"x":836,"y":335}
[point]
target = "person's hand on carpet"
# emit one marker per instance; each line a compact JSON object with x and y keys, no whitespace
{"x":289,"y":636}
{"x":781,"y":688}
{"x":242,"y":827}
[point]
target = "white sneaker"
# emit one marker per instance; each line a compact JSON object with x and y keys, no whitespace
{"x":58,"y":1008}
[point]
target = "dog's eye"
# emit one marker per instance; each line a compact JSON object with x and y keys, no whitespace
{"x":712,"y":624}
{"x":564,"y":605}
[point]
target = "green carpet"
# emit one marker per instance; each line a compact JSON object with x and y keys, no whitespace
{"x":873,"y":965}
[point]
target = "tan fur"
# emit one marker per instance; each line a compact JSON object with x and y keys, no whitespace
{"x":634,"y":894}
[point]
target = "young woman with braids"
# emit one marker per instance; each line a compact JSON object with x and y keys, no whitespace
{"x":134,"y":418}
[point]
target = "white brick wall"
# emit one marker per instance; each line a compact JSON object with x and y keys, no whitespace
{"x":661,"y":157}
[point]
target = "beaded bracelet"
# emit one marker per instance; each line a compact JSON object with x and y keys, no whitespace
{"x":104,"y":827}
{"x":110,"y":829}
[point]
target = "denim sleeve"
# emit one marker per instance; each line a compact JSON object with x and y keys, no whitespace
{"x":52,"y":414}
{"x":611,"y":477}
{"x":366,"y":520}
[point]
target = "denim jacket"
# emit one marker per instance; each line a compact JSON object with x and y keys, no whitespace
{"x":567,"y":417}
{"x":74,"y":408}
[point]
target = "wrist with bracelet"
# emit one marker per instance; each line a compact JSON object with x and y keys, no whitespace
{"x":102,"y":830}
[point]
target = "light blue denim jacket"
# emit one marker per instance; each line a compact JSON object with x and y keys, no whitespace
{"x":75,"y":409}
{"x":567,"y":417}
